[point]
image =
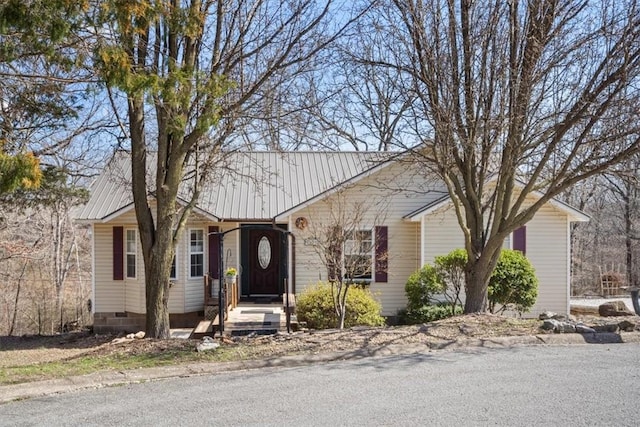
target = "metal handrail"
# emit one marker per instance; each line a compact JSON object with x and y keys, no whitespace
{"x":221,"y":235}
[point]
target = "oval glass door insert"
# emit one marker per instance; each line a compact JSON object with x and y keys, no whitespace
{"x":264,"y":252}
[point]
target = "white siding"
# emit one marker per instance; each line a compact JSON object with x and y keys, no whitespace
{"x":546,"y":249}
{"x":109,"y":294}
{"x":386,"y":205}
{"x":185,"y":295}
{"x":441,"y":234}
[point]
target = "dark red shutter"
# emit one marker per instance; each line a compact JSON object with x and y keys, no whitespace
{"x":214,"y":252}
{"x":382,"y":256}
{"x":520,"y":239}
{"x":118,"y":253}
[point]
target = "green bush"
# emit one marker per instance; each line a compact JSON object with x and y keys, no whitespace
{"x":422,"y":285}
{"x":428,"y":313}
{"x":451,"y":269}
{"x":513,"y":284}
{"x":315,"y":307}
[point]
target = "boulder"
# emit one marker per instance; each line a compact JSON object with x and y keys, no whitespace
{"x":565,"y":327}
{"x":549,"y":324}
{"x":613,"y":309}
{"x":558,"y":326}
{"x":627,"y":326}
{"x":611,"y":327}
{"x":207,"y":344}
{"x":547,"y":315}
{"x":584,"y":329}
{"x":584,"y":310}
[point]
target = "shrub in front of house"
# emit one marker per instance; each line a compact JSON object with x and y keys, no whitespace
{"x":315,"y":307}
{"x":513,"y":284}
{"x":422,"y":286}
{"x":427,"y":313}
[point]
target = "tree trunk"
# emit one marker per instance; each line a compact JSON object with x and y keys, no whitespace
{"x":343,"y":309}
{"x":157,"y":271}
{"x":16,"y":300}
{"x":477,"y":275}
{"x":476,"y":291}
{"x":628,"y":226}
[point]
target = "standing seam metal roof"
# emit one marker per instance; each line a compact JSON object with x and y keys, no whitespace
{"x":255,"y":185}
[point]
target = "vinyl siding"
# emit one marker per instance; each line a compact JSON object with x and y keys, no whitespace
{"x":109,"y":294}
{"x":441,"y":234}
{"x":386,"y":205}
{"x":185,"y":295}
{"x":546,"y":249}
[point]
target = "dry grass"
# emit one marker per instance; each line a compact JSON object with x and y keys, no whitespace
{"x":40,"y":357}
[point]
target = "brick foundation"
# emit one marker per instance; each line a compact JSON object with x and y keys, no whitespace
{"x":108,"y":322}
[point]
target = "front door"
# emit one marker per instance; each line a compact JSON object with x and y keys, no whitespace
{"x":263,"y":260}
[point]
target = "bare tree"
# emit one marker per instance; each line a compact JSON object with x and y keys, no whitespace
{"x":623,"y":183}
{"x":344,"y":239}
{"x":516,"y":102}
{"x":203,"y":66}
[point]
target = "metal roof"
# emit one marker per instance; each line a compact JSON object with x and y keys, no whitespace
{"x":256,"y":185}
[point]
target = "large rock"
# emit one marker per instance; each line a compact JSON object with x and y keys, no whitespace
{"x":614,"y":308}
{"x":207,"y":344}
{"x":627,"y":326}
{"x":549,"y":324}
{"x":565,"y":327}
{"x":558,"y":326}
{"x":584,"y":329}
{"x":612,"y":327}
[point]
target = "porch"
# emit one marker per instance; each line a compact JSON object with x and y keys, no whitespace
{"x":260,"y":315}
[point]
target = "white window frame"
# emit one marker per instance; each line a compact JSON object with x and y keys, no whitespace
{"x":133,"y":253}
{"x":174,"y":261}
{"x":370,"y":253}
{"x":191,"y":253}
{"x":508,"y":242}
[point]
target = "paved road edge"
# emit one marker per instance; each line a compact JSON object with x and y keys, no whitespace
{"x":22,"y":391}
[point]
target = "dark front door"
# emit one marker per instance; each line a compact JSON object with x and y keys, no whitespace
{"x":263,"y":261}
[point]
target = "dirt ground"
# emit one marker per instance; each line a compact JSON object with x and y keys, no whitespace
{"x":20,"y":351}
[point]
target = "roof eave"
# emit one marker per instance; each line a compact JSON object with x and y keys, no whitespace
{"x":572,"y":213}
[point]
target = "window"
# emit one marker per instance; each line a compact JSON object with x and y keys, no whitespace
{"x":174,"y":270}
{"x":358,"y":254}
{"x":131,"y":250}
{"x":196,"y":253}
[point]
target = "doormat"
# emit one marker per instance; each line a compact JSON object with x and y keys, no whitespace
{"x":256,"y":311}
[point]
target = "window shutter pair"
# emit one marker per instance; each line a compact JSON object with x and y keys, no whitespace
{"x":381,"y":256}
